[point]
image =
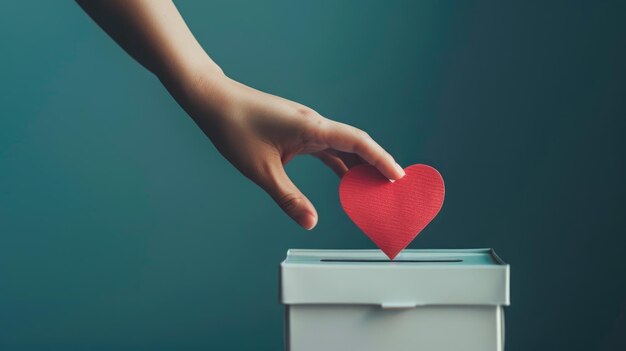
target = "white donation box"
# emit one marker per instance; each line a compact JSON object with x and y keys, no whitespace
{"x":423,"y":300}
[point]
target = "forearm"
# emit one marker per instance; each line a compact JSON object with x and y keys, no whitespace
{"x":153,"y":33}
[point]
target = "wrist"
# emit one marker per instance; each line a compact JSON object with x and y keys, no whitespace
{"x":201,"y":88}
{"x":183,"y":71}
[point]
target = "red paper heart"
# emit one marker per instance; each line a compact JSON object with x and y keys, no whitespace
{"x":392,"y":214}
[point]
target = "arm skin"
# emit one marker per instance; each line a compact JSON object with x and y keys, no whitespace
{"x":257,"y":132}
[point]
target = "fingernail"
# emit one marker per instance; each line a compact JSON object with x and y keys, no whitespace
{"x":400,"y":170}
{"x":308,"y":221}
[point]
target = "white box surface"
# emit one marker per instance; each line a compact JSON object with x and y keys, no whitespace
{"x":431,"y":300}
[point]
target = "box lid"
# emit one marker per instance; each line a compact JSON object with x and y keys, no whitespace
{"x":413,"y":278}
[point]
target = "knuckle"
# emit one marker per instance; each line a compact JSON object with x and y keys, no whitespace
{"x":359,"y":148}
{"x":305,"y":112}
{"x":258,"y":172}
{"x":362,"y":146}
{"x":365,"y":135}
{"x":290,"y":202}
{"x":315,"y":123}
{"x":313,"y":128}
{"x":361,"y":134}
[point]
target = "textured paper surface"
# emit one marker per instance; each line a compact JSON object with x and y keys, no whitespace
{"x":392,"y":214}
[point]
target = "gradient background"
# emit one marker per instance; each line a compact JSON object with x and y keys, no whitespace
{"x":122,"y":228}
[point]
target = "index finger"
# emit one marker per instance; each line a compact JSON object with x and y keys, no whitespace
{"x":347,"y":138}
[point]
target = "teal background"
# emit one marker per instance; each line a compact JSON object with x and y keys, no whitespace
{"x":122,"y":228}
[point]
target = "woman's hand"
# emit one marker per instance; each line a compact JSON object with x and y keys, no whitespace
{"x":259,"y":133}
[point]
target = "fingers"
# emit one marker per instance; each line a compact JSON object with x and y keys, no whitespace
{"x":333,"y":162}
{"x":278,"y":185}
{"x":349,"y":139}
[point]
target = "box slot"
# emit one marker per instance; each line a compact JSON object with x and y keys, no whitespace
{"x":446,"y":260}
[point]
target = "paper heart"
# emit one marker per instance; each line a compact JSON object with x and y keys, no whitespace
{"x":392,"y":214}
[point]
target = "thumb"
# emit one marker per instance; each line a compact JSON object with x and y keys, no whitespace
{"x":290,"y":199}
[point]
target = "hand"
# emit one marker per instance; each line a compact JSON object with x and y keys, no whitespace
{"x":259,"y":133}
